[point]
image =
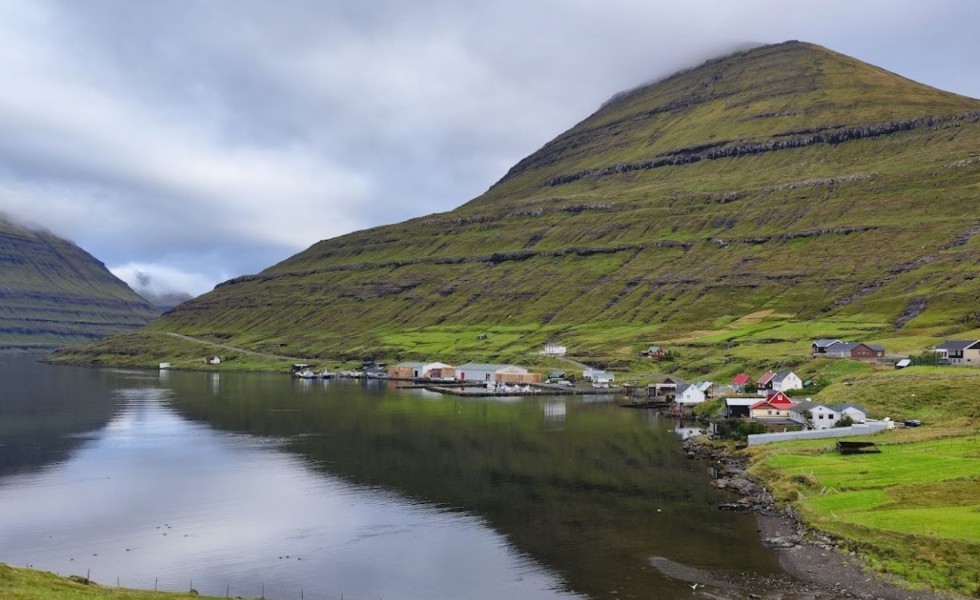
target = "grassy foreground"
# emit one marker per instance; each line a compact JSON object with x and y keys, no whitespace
{"x":913,"y":510}
{"x":26,"y":584}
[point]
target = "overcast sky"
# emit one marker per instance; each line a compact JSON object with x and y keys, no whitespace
{"x":199,"y":140}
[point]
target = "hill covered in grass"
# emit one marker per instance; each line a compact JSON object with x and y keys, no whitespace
{"x":53,"y":293}
{"x":735,"y":210}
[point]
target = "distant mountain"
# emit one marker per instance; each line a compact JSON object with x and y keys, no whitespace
{"x":165,"y":302}
{"x":53,"y":293}
{"x":777,"y":193}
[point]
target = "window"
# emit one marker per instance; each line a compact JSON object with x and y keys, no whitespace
{"x":821,"y":416}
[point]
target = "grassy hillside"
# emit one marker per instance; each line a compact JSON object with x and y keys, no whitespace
{"x":53,"y":293}
{"x":734,"y":210}
{"x":24,"y":584}
{"x":912,"y":510}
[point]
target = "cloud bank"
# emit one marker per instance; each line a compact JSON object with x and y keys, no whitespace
{"x":197,"y":141}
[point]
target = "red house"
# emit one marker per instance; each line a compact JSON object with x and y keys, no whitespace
{"x":780,"y":400}
{"x":741,"y":380}
{"x":655,"y":352}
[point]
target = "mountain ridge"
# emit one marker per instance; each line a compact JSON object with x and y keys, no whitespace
{"x":746,"y":184}
{"x":53,"y":293}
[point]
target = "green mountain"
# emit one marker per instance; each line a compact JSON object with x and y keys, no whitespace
{"x":733,"y":210}
{"x":53,"y":293}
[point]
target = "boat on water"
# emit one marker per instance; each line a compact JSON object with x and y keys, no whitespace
{"x":306,"y":374}
{"x":326,"y":374}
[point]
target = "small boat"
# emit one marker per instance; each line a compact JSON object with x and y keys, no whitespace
{"x":326,"y":375}
{"x":306,"y":374}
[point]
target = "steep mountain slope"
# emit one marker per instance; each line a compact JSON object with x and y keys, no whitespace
{"x":788,"y":187}
{"x":53,"y":293}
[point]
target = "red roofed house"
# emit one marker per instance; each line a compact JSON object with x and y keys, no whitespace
{"x":741,"y":380}
{"x":774,"y":407}
{"x":780,"y":399}
{"x":765,"y":382}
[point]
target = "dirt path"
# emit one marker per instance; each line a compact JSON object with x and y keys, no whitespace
{"x":233,"y":348}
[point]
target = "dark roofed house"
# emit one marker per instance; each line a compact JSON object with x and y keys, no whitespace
{"x":765,"y":382}
{"x":739,"y":407}
{"x":959,"y":352}
{"x":856,"y":350}
{"x":820,"y":346}
{"x":667,"y":386}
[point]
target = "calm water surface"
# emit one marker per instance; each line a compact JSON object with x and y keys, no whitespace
{"x":246,"y":482}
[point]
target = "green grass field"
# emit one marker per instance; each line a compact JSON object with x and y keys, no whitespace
{"x":913,"y":509}
{"x":26,"y":584}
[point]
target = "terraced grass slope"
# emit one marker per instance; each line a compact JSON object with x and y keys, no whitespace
{"x":789,"y":181}
{"x":53,"y":293}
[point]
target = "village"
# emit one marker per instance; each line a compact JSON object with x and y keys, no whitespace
{"x":773,"y":406}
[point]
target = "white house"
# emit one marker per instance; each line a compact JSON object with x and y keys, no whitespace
{"x":821,"y":415}
{"x":783,"y":381}
{"x":688,"y":394}
{"x":554,"y":350}
{"x":959,"y":352}
{"x":597,"y":375}
{"x":856,"y":413}
{"x":705,"y":386}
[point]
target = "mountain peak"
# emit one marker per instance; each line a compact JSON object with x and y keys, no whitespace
{"x":756,"y":94}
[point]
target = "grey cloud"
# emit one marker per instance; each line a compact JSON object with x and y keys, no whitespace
{"x":213,"y":139}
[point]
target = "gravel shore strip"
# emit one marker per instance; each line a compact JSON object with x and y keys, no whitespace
{"x":818,"y":566}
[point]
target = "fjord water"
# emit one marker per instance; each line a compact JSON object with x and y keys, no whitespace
{"x":246,"y":483}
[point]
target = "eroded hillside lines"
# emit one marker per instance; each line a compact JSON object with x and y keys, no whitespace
{"x":692,"y":154}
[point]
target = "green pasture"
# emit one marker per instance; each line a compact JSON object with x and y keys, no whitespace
{"x":913,"y":509}
{"x":26,"y":584}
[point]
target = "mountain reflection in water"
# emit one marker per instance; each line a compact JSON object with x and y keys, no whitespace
{"x":337,"y":487}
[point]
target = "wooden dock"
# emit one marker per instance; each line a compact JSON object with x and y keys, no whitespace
{"x":480,"y":391}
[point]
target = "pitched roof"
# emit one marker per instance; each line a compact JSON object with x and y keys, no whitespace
{"x":781,"y":375}
{"x":956,"y":344}
{"x":741,"y":379}
{"x":846,"y":405}
{"x":806,"y":405}
{"x":653,"y":348}
{"x":876,"y":347}
{"x":780,"y":399}
{"x":741,"y":401}
{"x":766,"y":377}
{"x":845,"y":347}
{"x":823,"y":343}
{"x":763,"y":403}
{"x":413,"y":365}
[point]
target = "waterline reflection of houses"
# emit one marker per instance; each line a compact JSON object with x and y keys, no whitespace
{"x":215,"y":380}
{"x":687,"y":430}
{"x":554,"y":411}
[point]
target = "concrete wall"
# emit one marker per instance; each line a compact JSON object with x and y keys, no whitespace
{"x":816,"y":434}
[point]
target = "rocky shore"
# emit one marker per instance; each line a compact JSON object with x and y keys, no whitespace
{"x":821,"y":566}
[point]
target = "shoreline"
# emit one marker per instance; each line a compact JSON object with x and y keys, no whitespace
{"x":821,"y":565}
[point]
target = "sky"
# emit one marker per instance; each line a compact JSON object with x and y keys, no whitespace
{"x":186,"y":142}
